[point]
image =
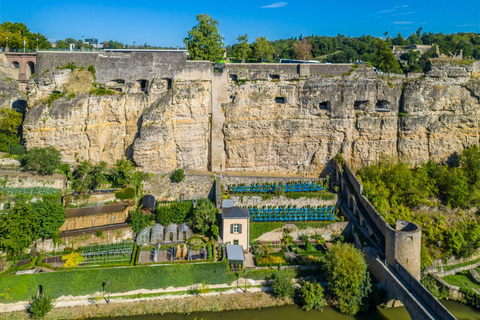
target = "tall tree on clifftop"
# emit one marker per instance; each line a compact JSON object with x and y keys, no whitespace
{"x":263,"y":49}
{"x":242,"y":49}
{"x":385,"y":60}
{"x":203,"y":41}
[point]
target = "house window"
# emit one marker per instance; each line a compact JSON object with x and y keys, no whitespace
{"x":235,"y":242}
{"x":236,"y":228}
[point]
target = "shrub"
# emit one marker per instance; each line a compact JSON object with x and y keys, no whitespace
{"x":282,"y":285}
{"x":270,"y":260}
{"x":39,"y":306}
{"x":124,"y":194}
{"x":178,"y":212}
{"x":42,"y":160}
{"x":138,"y":221}
{"x":311,"y":295}
{"x":177,"y":176}
{"x":18,"y":150}
{"x":209,"y":251}
{"x":72,"y":259}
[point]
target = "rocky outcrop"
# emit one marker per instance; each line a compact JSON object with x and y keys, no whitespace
{"x":175,"y":130}
{"x":274,"y":118}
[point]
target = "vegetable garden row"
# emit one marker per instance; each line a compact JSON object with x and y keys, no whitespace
{"x":287,"y":187}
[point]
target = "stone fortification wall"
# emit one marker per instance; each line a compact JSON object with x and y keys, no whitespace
{"x":425,"y":295}
{"x":89,"y":217}
{"x":246,"y":201}
{"x":282,"y":118}
{"x":193,"y":186}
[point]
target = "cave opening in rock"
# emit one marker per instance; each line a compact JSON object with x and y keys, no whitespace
{"x":280,"y":100}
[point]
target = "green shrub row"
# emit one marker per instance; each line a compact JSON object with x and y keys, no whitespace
{"x":124,"y":194}
{"x":86,"y":282}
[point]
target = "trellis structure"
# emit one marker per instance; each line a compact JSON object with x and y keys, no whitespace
{"x":285,"y":187}
{"x":112,"y":253}
{"x":279,"y":214}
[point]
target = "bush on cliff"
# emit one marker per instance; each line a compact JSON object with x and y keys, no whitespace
{"x":177,"y":176}
{"x":42,"y":160}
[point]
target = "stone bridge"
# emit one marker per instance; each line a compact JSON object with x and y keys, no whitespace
{"x":392,"y":254}
{"x":25,"y":63}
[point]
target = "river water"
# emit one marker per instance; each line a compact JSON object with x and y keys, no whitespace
{"x":460,"y":311}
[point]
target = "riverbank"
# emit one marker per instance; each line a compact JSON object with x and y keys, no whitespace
{"x":254,"y":298}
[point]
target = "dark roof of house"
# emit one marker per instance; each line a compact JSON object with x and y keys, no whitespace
{"x":235,"y":212}
{"x":89,"y":211}
{"x":148,"y":201}
{"x":235,"y":252}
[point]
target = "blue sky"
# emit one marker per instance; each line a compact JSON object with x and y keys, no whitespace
{"x":166,"y":23}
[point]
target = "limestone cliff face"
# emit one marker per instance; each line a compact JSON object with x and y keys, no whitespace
{"x":273,"y":118}
{"x":298,"y":126}
{"x":175,"y":130}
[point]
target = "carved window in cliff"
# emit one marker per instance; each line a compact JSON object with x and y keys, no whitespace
{"x":234,"y":77}
{"x":143,"y":85}
{"x":382,"y":106}
{"x":324,"y":105}
{"x":361,"y":105}
{"x":274,"y":77}
{"x":280,"y":100}
{"x":116,"y":84}
{"x":218,"y":71}
{"x":169,"y":83}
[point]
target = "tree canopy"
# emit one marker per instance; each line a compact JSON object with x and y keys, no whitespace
{"x":347,"y":277}
{"x":26,"y":221}
{"x":204,"y":42}
{"x":242,"y":49}
{"x":204,"y":216}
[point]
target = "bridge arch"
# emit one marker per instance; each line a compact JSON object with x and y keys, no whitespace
{"x":16,"y":64}
{"x":30,"y":68}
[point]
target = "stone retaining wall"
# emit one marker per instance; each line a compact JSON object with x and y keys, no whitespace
{"x":246,"y":201}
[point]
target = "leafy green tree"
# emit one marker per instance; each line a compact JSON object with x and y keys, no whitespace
{"x":204,"y":216}
{"x":10,"y":121}
{"x":122,"y":175}
{"x":40,"y":306}
{"x":138,"y":221}
{"x":88,"y":176}
{"x":242,"y":49}
{"x":282,"y":285}
{"x":203,"y":41}
{"x":262,"y":49}
{"x":178,"y":212}
{"x":17,"y":33}
{"x":311,"y":295}
{"x":177,"y":176}
{"x":469,"y":161}
{"x":51,"y":216}
{"x":347,"y":277}
{"x":385,"y":60}
{"x":42,"y":160}
{"x":18,"y":228}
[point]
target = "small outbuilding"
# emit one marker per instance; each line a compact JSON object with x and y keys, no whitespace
{"x":235,"y":255}
{"x":148,"y":204}
{"x":235,"y":225}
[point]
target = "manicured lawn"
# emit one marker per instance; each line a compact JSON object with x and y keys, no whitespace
{"x":259,"y":228}
{"x":461,"y":280}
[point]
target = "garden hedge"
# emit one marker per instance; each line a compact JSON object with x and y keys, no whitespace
{"x":86,"y":282}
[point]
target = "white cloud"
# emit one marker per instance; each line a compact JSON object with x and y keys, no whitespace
{"x":402,"y":22}
{"x":275,"y":5}
{"x":467,"y":25}
{"x":403,"y":14}
{"x":403,"y":6}
{"x":388,"y":11}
